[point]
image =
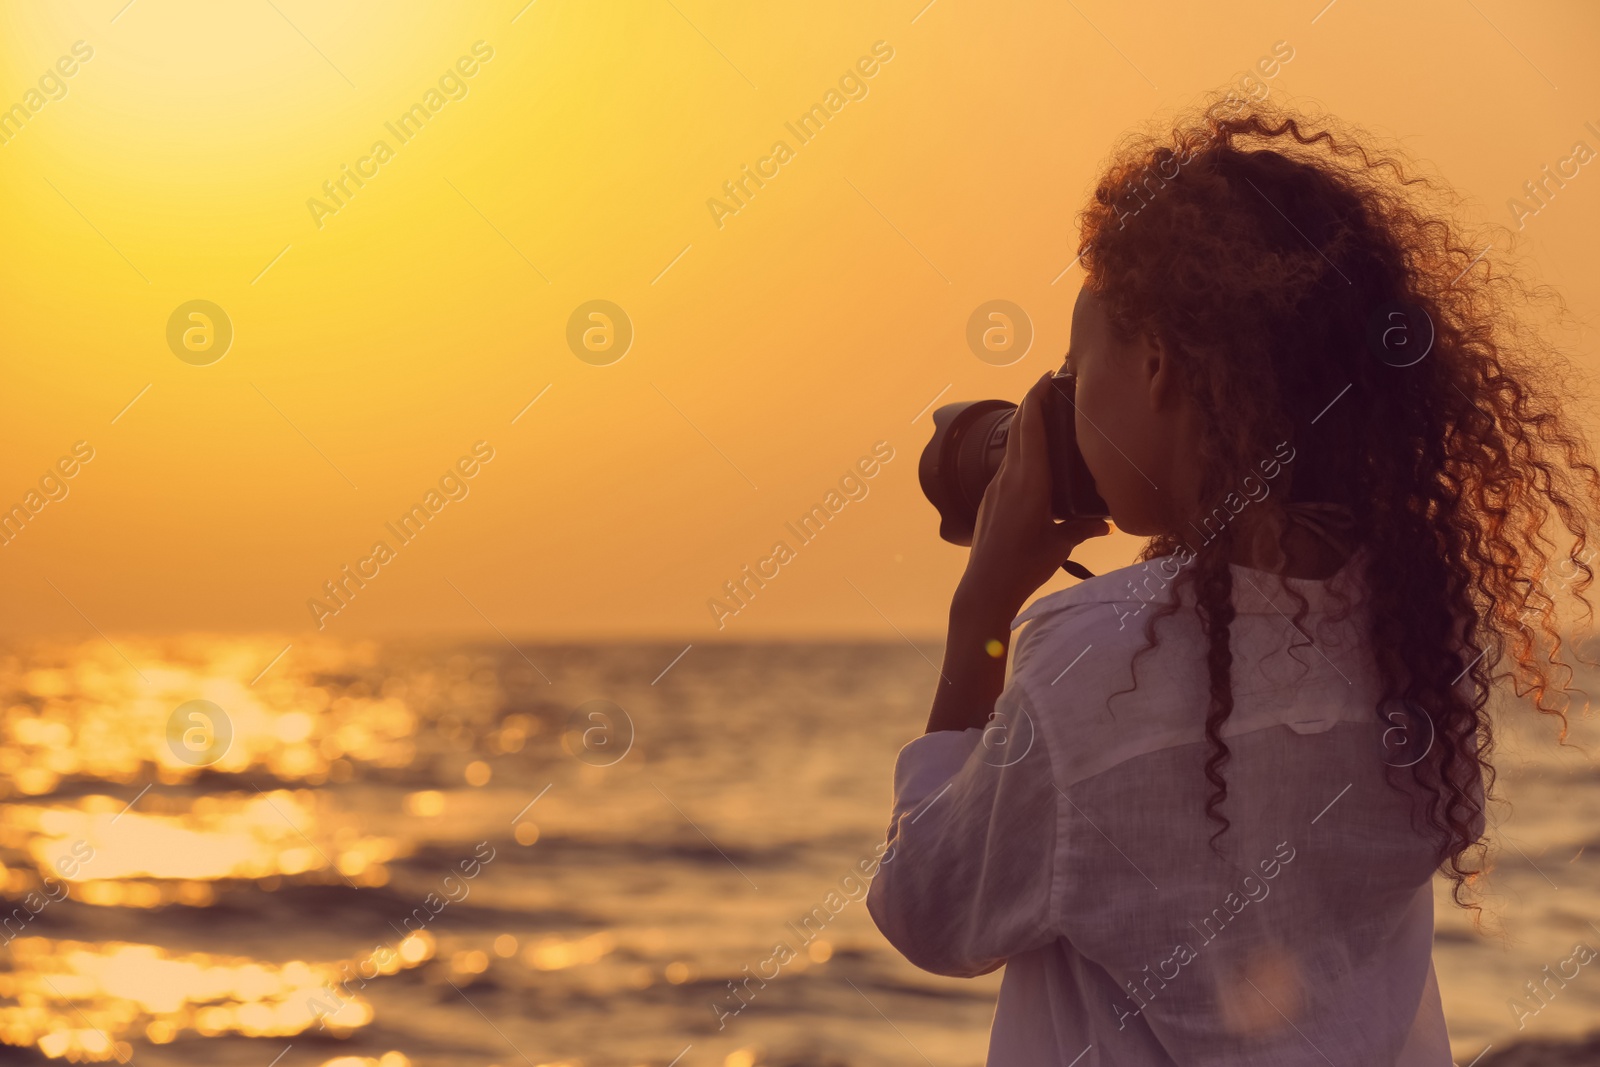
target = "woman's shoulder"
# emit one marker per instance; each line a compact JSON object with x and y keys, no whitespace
{"x":1115,"y":606}
{"x":1096,"y":609}
{"x":1076,"y":650}
{"x":1110,"y":668}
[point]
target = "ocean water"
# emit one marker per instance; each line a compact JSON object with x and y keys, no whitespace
{"x":386,"y":854}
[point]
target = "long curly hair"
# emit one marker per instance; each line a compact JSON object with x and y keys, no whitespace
{"x":1317,"y":290}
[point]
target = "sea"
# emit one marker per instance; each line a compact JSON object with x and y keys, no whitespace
{"x":275,"y":852}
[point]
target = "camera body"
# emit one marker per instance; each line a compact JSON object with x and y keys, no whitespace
{"x":968,"y":443}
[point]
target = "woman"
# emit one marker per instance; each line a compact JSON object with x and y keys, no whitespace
{"x":1202,"y":824}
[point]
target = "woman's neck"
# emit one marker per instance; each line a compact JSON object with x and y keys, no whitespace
{"x":1306,"y":554}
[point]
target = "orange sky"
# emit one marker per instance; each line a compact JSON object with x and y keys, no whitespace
{"x":772,"y":348}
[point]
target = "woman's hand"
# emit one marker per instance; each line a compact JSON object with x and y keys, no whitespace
{"x":1017,"y":546}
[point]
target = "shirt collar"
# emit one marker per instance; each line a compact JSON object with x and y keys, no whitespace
{"x":1149,"y":582}
{"x":1153,"y":582}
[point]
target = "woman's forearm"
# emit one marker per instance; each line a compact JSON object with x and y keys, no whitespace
{"x":1017,"y":546}
{"x":974,"y":670}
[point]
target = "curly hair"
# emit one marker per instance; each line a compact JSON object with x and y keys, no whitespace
{"x":1296,"y":270}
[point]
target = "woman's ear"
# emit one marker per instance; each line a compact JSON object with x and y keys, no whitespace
{"x":1154,"y":358}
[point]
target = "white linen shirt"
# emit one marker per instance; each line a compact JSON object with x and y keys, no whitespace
{"x":1068,"y":841}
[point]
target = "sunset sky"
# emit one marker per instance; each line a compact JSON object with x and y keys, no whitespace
{"x":391,"y":334}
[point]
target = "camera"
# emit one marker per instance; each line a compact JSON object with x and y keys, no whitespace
{"x":968,"y":443}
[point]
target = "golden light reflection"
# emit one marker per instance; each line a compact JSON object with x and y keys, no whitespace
{"x":257,"y":835}
{"x":426,"y":803}
{"x":89,"y":715}
{"x":554,"y":954}
{"x":79,"y":1001}
{"x":472,"y":961}
{"x":74,"y":715}
{"x":388,"y":1059}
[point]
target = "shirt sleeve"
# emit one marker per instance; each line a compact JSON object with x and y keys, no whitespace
{"x":968,"y":879}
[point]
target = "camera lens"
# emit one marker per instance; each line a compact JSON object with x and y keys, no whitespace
{"x":969,"y":441}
